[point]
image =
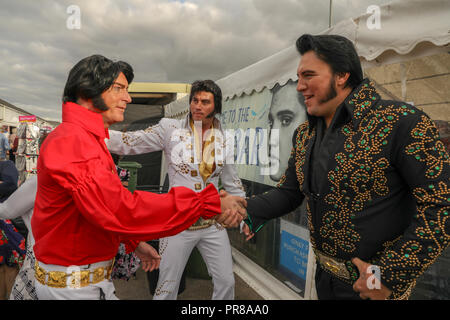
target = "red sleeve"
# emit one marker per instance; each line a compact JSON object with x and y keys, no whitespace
{"x":130,"y":245}
{"x":103,"y":201}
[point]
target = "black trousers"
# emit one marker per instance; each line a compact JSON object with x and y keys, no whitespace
{"x":329,"y":287}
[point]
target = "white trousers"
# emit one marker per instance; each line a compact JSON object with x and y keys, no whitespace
{"x":214,"y":246}
{"x":104,"y":290}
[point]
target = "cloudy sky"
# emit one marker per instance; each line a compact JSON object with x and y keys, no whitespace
{"x":164,"y":40}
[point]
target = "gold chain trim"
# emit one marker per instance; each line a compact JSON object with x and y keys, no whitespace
{"x":79,"y":279}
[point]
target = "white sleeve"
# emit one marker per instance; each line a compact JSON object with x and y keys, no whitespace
{"x":137,"y":142}
{"x":21,"y":201}
{"x":231,"y":181}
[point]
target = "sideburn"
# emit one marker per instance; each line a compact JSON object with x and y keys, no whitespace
{"x":211,"y":115}
{"x":331,"y":93}
{"x":99,"y":103}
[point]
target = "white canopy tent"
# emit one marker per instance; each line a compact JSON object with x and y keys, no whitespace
{"x":407,"y":57}
{"x":411,"y":45}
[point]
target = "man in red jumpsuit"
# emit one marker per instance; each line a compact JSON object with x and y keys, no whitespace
{"x":82,"y":212}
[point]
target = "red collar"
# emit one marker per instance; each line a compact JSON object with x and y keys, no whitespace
{"x":89,"y":120}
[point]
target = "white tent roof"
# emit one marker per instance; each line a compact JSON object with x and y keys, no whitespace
{"x":404,"y":25}
{"x":409,"y":29}
{"x":178,"y":108}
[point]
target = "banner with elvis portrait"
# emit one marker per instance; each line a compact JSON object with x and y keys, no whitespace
{"x":261,"y":126}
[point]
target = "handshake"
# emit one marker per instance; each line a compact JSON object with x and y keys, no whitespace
{"x":233,"y":212}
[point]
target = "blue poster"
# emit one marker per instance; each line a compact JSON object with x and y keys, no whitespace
{"x":294,"y":254}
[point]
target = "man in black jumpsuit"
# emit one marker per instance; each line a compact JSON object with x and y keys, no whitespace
{"x":374,"y":174}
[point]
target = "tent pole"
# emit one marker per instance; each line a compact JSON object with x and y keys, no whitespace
{"x":329,"y":19}
{"x":403,"y":80}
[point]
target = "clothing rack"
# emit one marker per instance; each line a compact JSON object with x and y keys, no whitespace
{"x":27,"y":150}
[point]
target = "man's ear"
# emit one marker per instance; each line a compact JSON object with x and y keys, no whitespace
{"x":87,"y":103}
{"x":341,"y":78}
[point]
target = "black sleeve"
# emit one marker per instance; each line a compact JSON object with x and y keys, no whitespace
{"x":9,"y":177}
{"x":279,"y":201}
{"x":424,"y":164}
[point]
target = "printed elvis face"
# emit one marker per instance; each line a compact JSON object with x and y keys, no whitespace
{"x":286,"y":113}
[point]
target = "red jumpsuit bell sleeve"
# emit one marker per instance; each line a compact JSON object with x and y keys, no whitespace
{"x":82,"y":211}
{"x":102,"y":200}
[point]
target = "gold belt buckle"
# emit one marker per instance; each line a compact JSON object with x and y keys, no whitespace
{"x":57,"y":279}
{"x":79,"y":279}
{"x":201,"y":224}
{"x":98,"y":275}
{"x":39,"y":273}
{"x":334,"y":266}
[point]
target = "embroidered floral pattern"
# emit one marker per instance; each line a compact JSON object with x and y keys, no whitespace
{"x":403,"y":266}
{"x":155,"y":130}
{"x":360,"y":173}
{"x":427,"y":149}
{"x":131,"y":140}
{"x":303,"y":136}
{"x":182,"y":168}
{"x":166,"y":283}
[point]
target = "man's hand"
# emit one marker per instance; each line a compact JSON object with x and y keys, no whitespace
{"x":233,"y":210}
{"x":150,"y":258}
{"x":369,"y":285}
{"x":247,"y":232}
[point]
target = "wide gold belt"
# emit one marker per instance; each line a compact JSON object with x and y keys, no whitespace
{"x":78,"y":279}
{"x":202,"y":224}
{"x":340,"y":268}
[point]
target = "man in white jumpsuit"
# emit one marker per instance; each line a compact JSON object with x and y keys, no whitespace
{"x":194,"y":149}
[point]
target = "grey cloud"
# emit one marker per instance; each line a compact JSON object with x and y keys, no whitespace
{"x":174,"y":41}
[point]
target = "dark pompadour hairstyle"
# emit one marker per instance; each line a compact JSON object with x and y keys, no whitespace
{"x":93,"y":75}
{"x":337,"y":51}
{"x":208,"y":86}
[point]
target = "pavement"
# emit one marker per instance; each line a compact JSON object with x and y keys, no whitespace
{"x":138,"y":288}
